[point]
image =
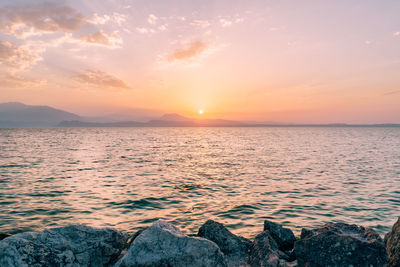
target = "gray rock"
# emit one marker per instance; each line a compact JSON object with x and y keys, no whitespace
{"x":235,"y":248}
{"x":392,"y":241}
{"x":284,"y":237}
{"x":264,"y":251}
{"x":341,"y":244}
{"x":74,"y":245}
{"x":163,"y":244}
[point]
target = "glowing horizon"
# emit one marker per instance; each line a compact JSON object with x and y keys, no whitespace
{"x":300,"y":62}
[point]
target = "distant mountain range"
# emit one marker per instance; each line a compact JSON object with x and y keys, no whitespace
{"x":16,"y":114}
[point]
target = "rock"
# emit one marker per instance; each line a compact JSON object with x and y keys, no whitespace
{"x":392,"y":241}
{"x":306,"y":233}
{"x":235,"y":248}
{"x":163,"y":244}
{"x":284,"y":237}
{"x":4,"y":235}
{"x":74,"y":245}
{"x":283,"y":263}
{"x":341,"y":244}
{"x":264,"y":251}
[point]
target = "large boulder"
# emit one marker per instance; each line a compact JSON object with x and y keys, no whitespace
{"x":284,"y":237}
{"x":264,"y":251}
{"x":340,"y":244}
{"x":392,"y":241}
{"x":235,"y":248}
{"x":74,"y":245}
{"x":162,"y":244}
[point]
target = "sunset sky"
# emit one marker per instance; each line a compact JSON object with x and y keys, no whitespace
{"x":289,"y":61}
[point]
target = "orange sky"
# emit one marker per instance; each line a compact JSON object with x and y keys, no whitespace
{"x":303,"y":61}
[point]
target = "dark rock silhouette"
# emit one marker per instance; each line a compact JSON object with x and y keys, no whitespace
{"x":284,"y":237}
{"x":341,"y":244}
{"x":4,"y":235}
{"x":392,"y":241}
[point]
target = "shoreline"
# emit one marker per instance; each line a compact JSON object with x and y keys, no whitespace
{"x":162,"y":244}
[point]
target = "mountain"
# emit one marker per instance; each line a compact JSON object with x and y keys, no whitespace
{"x":102,"y":124}
{"x":173,"y":117}
{"x":167,"y":120}
{"x":14,"y":114}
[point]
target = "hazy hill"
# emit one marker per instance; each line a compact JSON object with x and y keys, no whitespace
{"x":167,"y":120}
{"x":14,"y":114}
{"x":173,"y":117}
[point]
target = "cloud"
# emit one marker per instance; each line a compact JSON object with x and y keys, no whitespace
{"x":392,"y":92}
{"x":396,"y":34}
{"x":27,"y":20}
{"x":152,"y":19}
{"x":144,"y":30}
{"x":10,"y":80}
{"x":229,"y":22}
{"x":17,"y":57}
{"x":117,"y":18}
{"x":200,"y":23}
{"x":100,"y":79}
{"x":101,"y":38}
{"x":195,"y":48}
{"x":35,"y":19}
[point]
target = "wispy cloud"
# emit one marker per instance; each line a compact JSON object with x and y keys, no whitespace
{"x":395,"y":92}
{"x":12,"y":80}
{"x":194,"y":49}
{"x":16,"y":58}
{"x":23,"y":21}
{"x":229,"y":22}
{"x":152,"y":19}
{"x":99,"y":78}
{"x":34,"y":19}
{"x":101,"y":38}
{"x":203,"y":24}
{"x":116,"y":17}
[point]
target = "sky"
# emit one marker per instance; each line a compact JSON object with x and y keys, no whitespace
{"x":303,"y":61}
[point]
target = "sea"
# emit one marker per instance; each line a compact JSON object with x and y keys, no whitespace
{"x":127,"y":178}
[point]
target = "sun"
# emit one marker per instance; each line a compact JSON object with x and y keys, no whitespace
{"x":201,"y":111}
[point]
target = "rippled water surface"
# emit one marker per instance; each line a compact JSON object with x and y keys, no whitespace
{"x":129,"y":177}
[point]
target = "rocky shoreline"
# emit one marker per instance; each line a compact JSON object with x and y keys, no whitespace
{"x":162,"y":244}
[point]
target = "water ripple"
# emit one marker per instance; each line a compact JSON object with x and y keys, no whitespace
{"x":129,"y":177}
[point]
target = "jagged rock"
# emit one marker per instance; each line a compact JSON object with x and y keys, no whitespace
{"x":235,"y":248}
{"x":163,"y":244}
{"x":341,"y":244}
{"x":74,"y":245}
{"x":264,"y":251}
{"x":392,"y":241}
{"x":284,"y":237}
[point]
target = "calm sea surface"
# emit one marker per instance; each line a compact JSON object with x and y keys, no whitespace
{"x":128,"y":177}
